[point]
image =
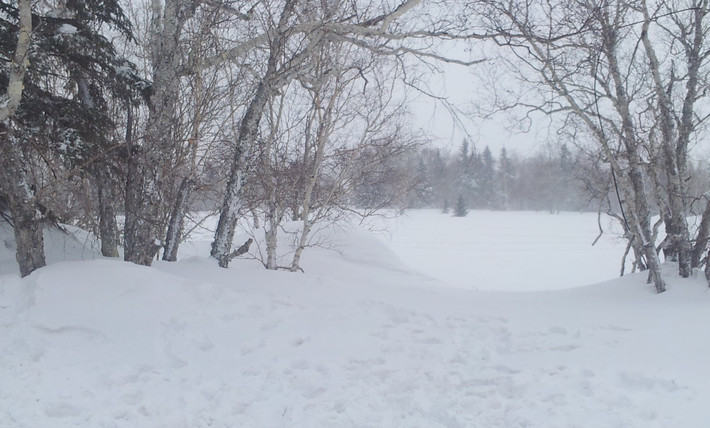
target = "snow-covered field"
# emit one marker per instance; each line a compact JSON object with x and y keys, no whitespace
{"x":386,"y":332}
{"x":506,"y":251}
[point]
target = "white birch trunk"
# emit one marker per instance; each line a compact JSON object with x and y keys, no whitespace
{"x":14,"y":180}
{"x":146,"y":202}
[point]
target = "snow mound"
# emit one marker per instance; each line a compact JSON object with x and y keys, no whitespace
{"x":60,"y":244}
{"x":355,"y":341}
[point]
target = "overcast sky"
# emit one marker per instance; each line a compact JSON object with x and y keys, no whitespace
{"x":461,"y":85}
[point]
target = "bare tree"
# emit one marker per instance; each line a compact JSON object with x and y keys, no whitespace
{"x":278,"y":73}
{"x":149,"y":161}
{"x":674,"y":110}
{"x":355,"y":129}
{"x":583,"y":54}
{"x":301,"y":28}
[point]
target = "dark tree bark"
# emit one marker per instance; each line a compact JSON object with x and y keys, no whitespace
{"x":108,"y":228}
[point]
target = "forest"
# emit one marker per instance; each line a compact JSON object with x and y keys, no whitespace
{"x":123,"y":118}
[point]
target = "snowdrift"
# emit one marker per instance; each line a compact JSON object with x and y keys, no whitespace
{"x":358,"y":340}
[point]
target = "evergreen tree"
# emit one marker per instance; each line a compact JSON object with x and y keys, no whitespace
{"x":460,"y":210}
{"x":568,"y":199}
{"x":63,"y":115}
{"x":465,"y":182}
{"x":504,"y":180}
{"x":424,"y":192}
{"x":488,"y":179}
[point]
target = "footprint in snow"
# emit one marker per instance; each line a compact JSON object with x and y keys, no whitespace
{"x":430,"y":341}
{"x":641,"y":382}
{"x":270,"y":324}
{"x":61,"y":410}
{"x":300,"y":341}
{"x":505,"y":370}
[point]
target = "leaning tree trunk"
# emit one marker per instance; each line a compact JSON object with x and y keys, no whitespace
{"x":642,"y":224}
{"x":248,"y":130}
{"x":675,"y":135}
{"x":702,"y":238}
{"x":310,"y":184}
{"x":177,"y":220}
{"x":635,"y":190}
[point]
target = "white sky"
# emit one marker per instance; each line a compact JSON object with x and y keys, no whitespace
{"x":462,"y":87}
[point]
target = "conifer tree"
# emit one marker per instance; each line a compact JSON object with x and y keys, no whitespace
{"x":460,"y":210}
{"x":63,"y":114}
{"x":488,"y":179}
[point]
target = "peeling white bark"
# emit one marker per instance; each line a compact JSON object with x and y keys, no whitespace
{"x":20,"y":62}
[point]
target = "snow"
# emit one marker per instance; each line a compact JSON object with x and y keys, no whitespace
{"x":363,"y":338}
{"x":503,"y":250}
{"x":67,"y":29}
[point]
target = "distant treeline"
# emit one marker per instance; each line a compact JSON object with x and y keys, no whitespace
{"x":558,"y":178}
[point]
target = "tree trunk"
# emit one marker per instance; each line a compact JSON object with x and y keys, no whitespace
{"x":228,"y":216}
{"x":177,"y":220}
{"x":27,"y":219}
{"x":702,"y":238}
{"x":678,"y":247}
{"x":20,"y":61}
{"x":674,"y":150}
{"x":271,"y":233}
{"x":148,"y":180}
{"x":142,"y":227}
{"x":108,"y":229}
{"x":642,"y":224}
{"x":635,"y":191}
{"x":14,"y":181}
{"x":315,"y":167}
{"x":248,"y":131}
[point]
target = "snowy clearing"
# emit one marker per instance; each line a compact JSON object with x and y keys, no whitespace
{"x":506,"y":251}
{"x":366,"y":337}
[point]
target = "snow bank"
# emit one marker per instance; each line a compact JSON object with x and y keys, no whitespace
{"x":358,"y":340}
{"x":66,"y":244}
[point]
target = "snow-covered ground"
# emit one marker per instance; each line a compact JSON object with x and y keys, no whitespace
{"x":373,"y":335}
{"x":506,"y":251}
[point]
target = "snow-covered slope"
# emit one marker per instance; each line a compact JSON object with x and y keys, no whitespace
{"x":358,"y":340}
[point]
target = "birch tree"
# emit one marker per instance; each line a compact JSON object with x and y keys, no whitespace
{"x":677,"y":84}
{"x":354,"y":130}
{"x":278,"y":73}
{"x":149,"y":161}
{"x":582,"y":56}
{"x":13,"y":180}
{"x":301,"y":27}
